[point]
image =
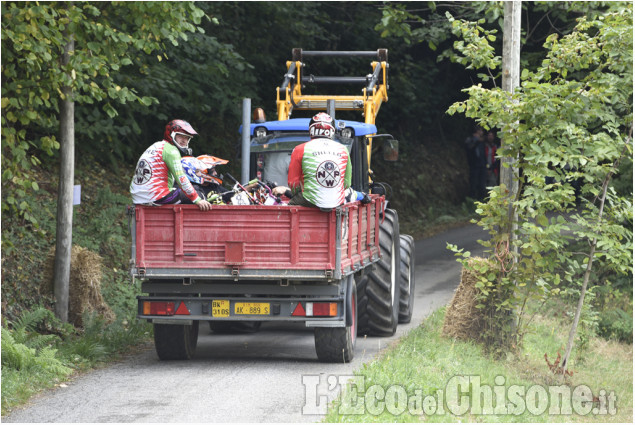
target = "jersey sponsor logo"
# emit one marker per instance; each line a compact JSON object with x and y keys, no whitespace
{"x":327,"y":174}
{"x":326,"y":132}
{"x":143,"y":173}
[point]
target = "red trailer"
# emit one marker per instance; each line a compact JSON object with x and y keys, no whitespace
{"x":237,"y":266}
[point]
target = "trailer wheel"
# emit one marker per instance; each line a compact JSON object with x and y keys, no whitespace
{"x":234,"y":326}
{"x":337,"y":345}
{"x":379,"y":289}
{"x":175,"y":342}
{"x":407,"y":283}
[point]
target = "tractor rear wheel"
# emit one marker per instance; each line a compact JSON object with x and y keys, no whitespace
{"x":407,"y":283}
{"x":378,"y":290}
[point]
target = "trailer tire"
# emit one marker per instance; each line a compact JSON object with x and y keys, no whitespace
{"x":379,"y":289}
{"x":407,"y":283}
{"x":337,"y":345}
{"x":175,"y":342}
{"x":234,"y":326}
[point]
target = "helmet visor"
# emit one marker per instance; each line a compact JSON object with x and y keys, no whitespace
{"x":181,"y":139}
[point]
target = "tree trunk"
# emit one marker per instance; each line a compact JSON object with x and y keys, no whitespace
{"x":64,"y":230}
{"x":585,"y":281}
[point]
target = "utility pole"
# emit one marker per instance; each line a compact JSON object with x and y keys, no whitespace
{"x":64,"y":229}
{"x":509,"y":169}
{"x":511,"y":80}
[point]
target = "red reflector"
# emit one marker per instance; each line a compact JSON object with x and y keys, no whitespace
{"x":323,"y":309}
{"x":183,"y":310}
{"x":299,"y":310}
{"x":161,"y":308}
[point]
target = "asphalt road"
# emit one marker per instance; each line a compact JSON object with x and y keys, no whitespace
{"x":270,"y":376}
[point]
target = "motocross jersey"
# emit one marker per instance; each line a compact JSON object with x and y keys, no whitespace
{"x":156,"y":171}
{"x":322,"y":170}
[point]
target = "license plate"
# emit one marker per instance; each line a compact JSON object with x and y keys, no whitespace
{"x":252,"y":308}
{"x":220,"y":308}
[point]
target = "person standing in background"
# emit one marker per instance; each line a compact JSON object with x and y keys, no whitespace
{"x":477,"y":162}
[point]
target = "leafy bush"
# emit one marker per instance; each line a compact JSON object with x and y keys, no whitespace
{"x":21,"y":357}
{"x":616,"y":324}
{"x":39,"y":351}
{"x":30,"y":360}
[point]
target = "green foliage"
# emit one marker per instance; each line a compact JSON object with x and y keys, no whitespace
{"x":34,"y":36}
{"x":33,"y":359}
{"x":427,"y":24}
{"x":616,"y":324}
{"x":100,"y":223}
{"x":21,"y":357}
{"x":24,"y":349}
{"x":475,"y":51}
{"x":25,"y":329}
{"x":100,"y":342}
{"x":569,"y":126}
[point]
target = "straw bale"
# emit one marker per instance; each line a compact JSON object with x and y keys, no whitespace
{"x":84,"y":285}
{"x":462,"y":319}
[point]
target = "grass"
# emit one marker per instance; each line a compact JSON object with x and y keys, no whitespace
{"x":412,"y":376}
{"x":29,"y":366}
{"x":35,"y":344}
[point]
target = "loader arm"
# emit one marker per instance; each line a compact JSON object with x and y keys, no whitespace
{"x":374,"y":92}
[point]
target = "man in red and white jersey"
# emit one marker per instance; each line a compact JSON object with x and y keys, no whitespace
{"x":160,"y":166}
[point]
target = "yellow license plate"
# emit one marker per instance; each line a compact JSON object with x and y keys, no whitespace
{"x":220,"y":308}
{"x":252,"y":308}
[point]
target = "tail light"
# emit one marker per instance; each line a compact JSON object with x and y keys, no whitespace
{"x":316,"y":309}
{"x":158,"y":308}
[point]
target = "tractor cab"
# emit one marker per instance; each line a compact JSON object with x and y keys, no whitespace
{"x":272,"y":143}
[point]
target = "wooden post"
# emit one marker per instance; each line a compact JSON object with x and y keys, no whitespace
{"x":509,"y":174}
{"x":64,"y":230}
{"x":511,"y":80}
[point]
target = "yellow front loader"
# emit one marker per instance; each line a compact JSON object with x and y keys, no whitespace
{"x":374,"y":91}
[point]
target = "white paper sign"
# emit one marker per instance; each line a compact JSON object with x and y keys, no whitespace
{"x":77,"y":194}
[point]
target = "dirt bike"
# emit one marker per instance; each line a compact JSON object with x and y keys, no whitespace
{"x":255,"y":192}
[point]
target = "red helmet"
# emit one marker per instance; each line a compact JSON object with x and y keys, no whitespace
{"x":175,"y":127}
{"x":322,"y":125}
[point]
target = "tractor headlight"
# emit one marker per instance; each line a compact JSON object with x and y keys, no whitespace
{"x":347,"y":132}
{"x":260,"y":132}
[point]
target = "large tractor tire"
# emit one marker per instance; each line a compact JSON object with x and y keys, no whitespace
{"x":337,"y":345}
{"x":407,"y":283}
{"x":234,"y":326}
{"x":378,"y":290}
{"x":175,"y":342}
